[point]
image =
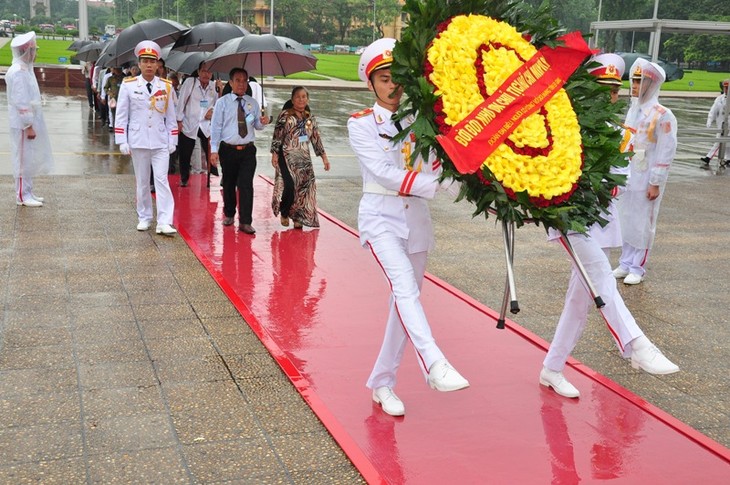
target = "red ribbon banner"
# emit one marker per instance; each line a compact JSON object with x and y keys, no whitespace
{"x":475,"y":137}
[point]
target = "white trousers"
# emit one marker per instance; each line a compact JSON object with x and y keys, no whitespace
{"x":406,"y":320}
{"x":21,"y":151}
{"x":633,"y":259}
{"x":23,"y":188}
{"x":578,"y":302}
{"x":157,"y":160}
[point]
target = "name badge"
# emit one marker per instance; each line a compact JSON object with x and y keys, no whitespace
{"x":303,"y":138}
{"x":249,"y":118}
{"x":204,"y":103}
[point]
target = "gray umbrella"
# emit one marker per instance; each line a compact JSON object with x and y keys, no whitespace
{"x":208,"y":36}
{"x":185,"y":62}
{"x":162,"y":31}
{"x":78,"y":44}
{"x":90,"y":52}
{"x":264,"y":55}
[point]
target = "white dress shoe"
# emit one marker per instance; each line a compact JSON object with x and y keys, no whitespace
{"x":38,"y":198}
{"x":443,"y":377}
{"x":30,"y":203}
{"x":633,"y":279}
{"x":619,"y":273}
{"x":556,"y":380}
{"x":166,"y":229}
{"x":645,"y":356}
{"x":143,"y":226}
{"x":390,"y":403}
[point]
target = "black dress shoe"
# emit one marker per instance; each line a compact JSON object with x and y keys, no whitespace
{"x":184,"y":184}
{"x":247,"y":228}
{"x":228,"y":221}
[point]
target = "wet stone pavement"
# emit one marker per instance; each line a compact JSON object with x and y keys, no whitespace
{"x":122,"y":361}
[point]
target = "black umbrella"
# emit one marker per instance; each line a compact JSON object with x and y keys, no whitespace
{"x":90,"y":52}
{"x":78,"y":44}
{"x":265,"y":55}
{"x":208,"y":36}
{"x":185,"y":62}
{"x":162,"y":31}
{"x":106,"y":56}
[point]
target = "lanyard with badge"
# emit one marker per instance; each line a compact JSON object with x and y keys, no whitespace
{"x":246,"y":111}
{"x":302,"y":129}
{"x":204,"y":101}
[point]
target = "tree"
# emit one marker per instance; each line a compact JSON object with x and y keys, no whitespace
{"x":343,"y":13}
{"x":386,"y":11}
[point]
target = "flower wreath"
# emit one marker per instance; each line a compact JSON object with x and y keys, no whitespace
{"x":554,"y":167}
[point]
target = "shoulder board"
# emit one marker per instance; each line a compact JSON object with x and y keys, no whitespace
{"x":362,"y":113}
{"x":130,"y":79}
{"x":661,"y":109}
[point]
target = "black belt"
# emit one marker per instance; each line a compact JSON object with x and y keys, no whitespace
{"x":236,"y":147}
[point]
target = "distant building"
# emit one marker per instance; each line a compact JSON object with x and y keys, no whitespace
{"x":40,"y":7}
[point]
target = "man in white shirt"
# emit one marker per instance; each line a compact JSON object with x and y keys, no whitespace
{"x":194,"y":112}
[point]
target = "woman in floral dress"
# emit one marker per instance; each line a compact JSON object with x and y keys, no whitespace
{"x":295,"y":193}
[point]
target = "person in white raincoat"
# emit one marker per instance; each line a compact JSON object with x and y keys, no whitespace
{"x":30,"y":147}
{"x":716,"y":117}
{"x":654,"y":144}
{"x":592,"y":250}
{"x":395,"y":224}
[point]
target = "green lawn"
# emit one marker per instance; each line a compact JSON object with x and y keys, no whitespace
{"x":48,"y":52}
{"x":344,"y":66}
{"x":701,"y":81}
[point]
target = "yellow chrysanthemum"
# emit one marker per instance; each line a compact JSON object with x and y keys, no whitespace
{"x":454,"y":54}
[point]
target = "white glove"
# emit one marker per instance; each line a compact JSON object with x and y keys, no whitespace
{"x":171,"y":148}
{"x":450,"y":186}
{"x":124,"y":148}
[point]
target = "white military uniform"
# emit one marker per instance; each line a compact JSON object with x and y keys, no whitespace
{"x":146,"y":122}
{"x":395,"y":223}
{"x":592,"y":251}
{"x":654,"y":144}
{"x":29,"y":157}
{"x":716,"y":116}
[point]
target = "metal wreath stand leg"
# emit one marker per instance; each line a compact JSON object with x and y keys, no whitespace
{"x":574,"y":257}
{"x":510,"y":293}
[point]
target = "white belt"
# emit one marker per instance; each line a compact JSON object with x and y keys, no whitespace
{"x":375,"y":188}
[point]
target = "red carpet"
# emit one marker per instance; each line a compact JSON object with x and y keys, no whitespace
{"x":318,"y":302}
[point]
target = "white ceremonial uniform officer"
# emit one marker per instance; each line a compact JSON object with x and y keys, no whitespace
{"x":654,"y":144}
{"x":716,"y":117}
{"x":592,"y":251}
{"x":30,"y":147}
{"x":395,"y":223}
{"x":145,"y":126}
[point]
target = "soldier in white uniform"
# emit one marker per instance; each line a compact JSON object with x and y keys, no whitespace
{"x":716,"y":117}
{"x":395,"y":224}
{"x":592,"y":250}
{"x":145,"y":127}
{"x":654,"y":144}
{"x":30,"y":147}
